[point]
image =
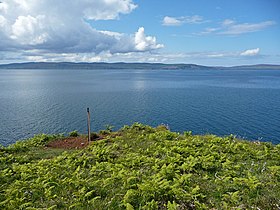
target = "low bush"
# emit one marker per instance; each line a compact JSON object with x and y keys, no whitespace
{"x":94,"y":136}
{"x":74,"y":133}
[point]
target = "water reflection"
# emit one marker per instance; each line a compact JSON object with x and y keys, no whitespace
{"x":139,"y":84}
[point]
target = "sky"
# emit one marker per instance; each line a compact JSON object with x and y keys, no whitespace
{"x":204,"y":32}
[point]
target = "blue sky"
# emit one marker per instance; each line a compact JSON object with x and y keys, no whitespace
{"x":216,"y":32}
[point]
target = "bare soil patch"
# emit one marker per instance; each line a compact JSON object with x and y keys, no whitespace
{"x":70,"y":143}
{"x":78,"y":142}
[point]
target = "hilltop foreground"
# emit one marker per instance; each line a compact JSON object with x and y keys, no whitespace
{"x":140,"y":167}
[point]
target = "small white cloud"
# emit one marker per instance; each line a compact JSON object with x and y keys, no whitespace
{"x":208,"y":31}
{"x":36,"y":58}
{"x":171,"y":21}
{"x":177,"y":21}
{"x":236,"y":29}
{"x":196,"y":19}
{"x":217,"y":55}
{"x":230,"y":27}
{"x":145,"y":43}
{"x":112,"y":33}
{"x":251,"y":52}
{"x":228,"y":22}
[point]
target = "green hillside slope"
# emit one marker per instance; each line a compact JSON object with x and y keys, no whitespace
{"x":140,"y":167}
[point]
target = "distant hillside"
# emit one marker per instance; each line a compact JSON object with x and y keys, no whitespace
{"x":259,"y":66}
{"x":120,"y":65}
{"x":70,"y":65}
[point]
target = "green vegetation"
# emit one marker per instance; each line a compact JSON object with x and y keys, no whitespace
{"x":140,"y":167}
{"x":74,"y":133}
{"x":94,"y":136}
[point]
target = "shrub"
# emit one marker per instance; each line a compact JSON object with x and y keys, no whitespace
{"x":109,"y":128}
{"x":104,"y":132}
{"x":187,"y":133}
{"x":93,"y":136}
{"x":162,"y":127}
{"x":74,"y":133}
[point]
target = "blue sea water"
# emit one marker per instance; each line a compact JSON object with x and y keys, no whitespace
{"x":222,"y":102}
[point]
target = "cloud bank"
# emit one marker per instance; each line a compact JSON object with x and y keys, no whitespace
{"x":62,"y":27}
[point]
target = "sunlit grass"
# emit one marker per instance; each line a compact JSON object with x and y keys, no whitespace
{"x":140,"y":167}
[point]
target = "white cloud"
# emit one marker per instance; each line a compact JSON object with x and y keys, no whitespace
{"x":196,"y":19}
{"x":202,"y":57}
{"x":251,"y":52}
{"x":29,"y":30}
{"x":171,"y":21}
{"x":106,"y":9}
{"x":231,"y":27}
{"x":58,"y":27}
{"x":3,"y":7}
{"x":208,"y":31}
{"x":236,"y":29}
{"x":228,"y":22}
{"x":176,"y":21}
{"x":3,"y":21}
{"x":112,"y":33}
{"x":143,"y":42}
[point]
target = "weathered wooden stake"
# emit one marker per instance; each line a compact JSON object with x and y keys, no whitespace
{"x":88,"y":123}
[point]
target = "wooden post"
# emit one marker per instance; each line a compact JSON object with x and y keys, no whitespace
{"x":88,"y":123}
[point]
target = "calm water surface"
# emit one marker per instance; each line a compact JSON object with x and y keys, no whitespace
{"x":244,"y":103}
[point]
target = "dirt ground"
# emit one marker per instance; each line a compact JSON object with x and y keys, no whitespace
{"x":77,"y":142}
{"x":70,"y":143}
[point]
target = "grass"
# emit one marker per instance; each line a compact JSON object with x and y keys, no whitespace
{"x":140,"y":167}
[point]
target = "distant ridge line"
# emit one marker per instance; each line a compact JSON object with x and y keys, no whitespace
{"x":123,"y":65}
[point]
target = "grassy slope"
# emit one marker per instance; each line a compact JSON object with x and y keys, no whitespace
{"x":142,"y":168}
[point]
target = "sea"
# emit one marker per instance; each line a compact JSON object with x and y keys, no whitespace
{"x":245,"y":103}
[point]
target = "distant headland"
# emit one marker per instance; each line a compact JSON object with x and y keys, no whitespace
{"x":122,"y":65}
